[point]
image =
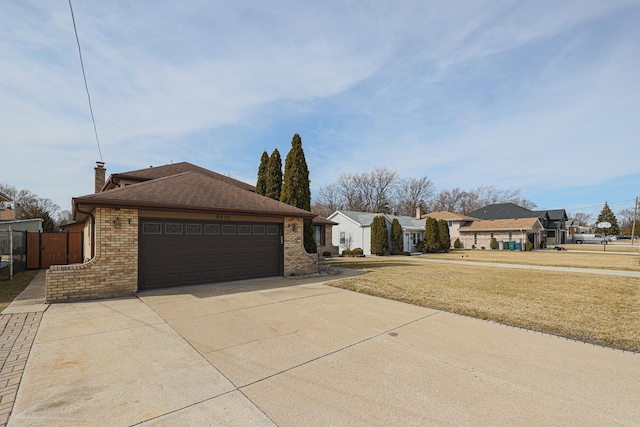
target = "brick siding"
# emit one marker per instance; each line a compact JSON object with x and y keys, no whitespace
{"x":112,"y":272}
{"x":296,"y":259}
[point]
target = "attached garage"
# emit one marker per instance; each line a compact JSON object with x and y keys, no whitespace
{"x":175,"y":253}
{"x":179,"y":225}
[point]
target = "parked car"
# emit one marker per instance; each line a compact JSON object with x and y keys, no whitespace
{"x":592,"y":238}
{"x":623,"y":237}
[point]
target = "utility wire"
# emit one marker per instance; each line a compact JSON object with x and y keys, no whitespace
{"x":86,"y":86}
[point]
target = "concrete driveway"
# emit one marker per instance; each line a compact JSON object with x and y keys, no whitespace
{"x":297,"y":352}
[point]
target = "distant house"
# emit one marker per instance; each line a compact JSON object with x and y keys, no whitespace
{"x":454,"y":221}
{"x":478,"y":234}
{"x":353,"y":230}
{"x":323,"y":234}
{"x":553,"y":221}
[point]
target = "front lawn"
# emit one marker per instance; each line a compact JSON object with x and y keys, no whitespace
{"x":599,"y":309}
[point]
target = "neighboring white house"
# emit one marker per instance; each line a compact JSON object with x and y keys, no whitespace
{"x":354,"y":230}
{"x":30,"y":225}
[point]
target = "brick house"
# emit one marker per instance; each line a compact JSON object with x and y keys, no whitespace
{"x":479,"y":233}
{"x":175,"y":225}
{"x":323,"y":234}
{"x":454,"y":221}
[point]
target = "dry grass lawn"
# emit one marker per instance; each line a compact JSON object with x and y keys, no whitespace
{"x":630,"y":261}
{"x":620,"y":246}
{"x":594,"y":308}
{"x":9,"y":289}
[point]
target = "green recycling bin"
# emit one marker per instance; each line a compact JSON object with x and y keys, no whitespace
{"x":512,"y":245}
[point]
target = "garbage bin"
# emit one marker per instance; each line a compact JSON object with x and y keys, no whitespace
{"x":500,"y":245}
{"x":512,"y":245}
{"x":517,"y":246}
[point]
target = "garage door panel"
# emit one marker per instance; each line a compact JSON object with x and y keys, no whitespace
{"x":218,"y":252}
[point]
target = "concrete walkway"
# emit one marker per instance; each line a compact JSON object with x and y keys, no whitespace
{"x":297,"y":352}
{"x":603,"y":271}
{"x":18,"y":326}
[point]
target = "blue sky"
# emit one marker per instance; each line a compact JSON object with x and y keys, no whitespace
{"x":543,"y":96}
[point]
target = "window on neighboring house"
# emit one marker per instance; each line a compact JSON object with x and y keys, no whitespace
{"x":510,"y":236}
{"x":450,"y":224}
{"x":475,"y":238}
{"x":318,"y":234}
{"x":343,"y":236}
{"x":492,"y":235}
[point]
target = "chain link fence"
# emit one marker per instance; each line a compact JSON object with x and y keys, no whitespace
{"x":13,"y":253}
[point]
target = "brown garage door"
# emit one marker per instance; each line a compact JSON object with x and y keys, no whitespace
{"x":175,"y":253}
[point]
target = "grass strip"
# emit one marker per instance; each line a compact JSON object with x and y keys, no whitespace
{"x":10,"y":289}
{"x":598,"y":309}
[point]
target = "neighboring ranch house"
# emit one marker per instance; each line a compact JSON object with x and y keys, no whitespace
{"x":177,"y":225}
{"x":353,"y":230}
{"x":454,"y":221}
{"x":323,"y":234}
{"x":554,"y":221}
{"x":479,"y":233}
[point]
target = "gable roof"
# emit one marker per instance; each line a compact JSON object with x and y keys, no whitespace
{"x":155,"y":172}
{"x":188,"y":191}
{"x":553,"y":214}
{"x":448,"y":216}
{"x":407,"y":221}
{"x":503,"y":211}
{"x":525,"y":224}
{"x":363,"y":218}
{"x":4,"y":198}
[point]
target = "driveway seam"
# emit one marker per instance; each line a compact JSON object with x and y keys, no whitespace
{"x":342,"y":349}
{"x":236,"y":388}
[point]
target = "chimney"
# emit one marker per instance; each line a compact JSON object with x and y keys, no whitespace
{"x":100,"y":173}
{"x":418,"y":213}
{"x":18,"y":211}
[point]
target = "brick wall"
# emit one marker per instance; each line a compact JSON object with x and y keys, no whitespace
{"x":328,"y":237}
{"x":113,"y":271}
{"x":484,"y":239}
{"x":296,"y":259}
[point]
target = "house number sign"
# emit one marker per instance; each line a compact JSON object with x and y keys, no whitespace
{"x":223,"y":217}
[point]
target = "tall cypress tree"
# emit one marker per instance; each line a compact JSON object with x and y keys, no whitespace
{"x":607,"y":215}
{"x":396,"y":235}
{"x":261,"y":185}
{"x":379,"y":236}
{"x":274,"y":176}
{"x":431,"y":238}
{"x":296,"y":189}
{"x":444,"y":237}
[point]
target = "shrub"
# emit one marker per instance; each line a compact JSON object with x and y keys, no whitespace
{"x":482,"y":247}
{"x":357,"y":251}
{"x":444,"y":238}
{"x":494,"y":243}
{"x":528,"y":246}
{"x":431,"y":235}
{"x":457,"y":244}
{"x":473,"y":246}
{"x":326,"y":254}
{"x":406,"y":253}
{"x":379,"y":236}
{"x":347,"y":252}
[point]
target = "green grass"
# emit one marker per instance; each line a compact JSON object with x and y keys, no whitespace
{"x":9,"y":289}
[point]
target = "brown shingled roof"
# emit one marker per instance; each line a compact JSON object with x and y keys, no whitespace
{"x":189,"y":191}
{"x":449,"y":216}
{"x":501,"y":224}
{"x":320,"y":220}
{"x":156,"y":172}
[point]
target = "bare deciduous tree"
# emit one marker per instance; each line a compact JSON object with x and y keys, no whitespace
{"x":583,"y":218}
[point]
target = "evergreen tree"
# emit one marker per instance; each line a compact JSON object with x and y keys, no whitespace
{"x":607,"y":215}
{"x":273,"y":186}
{"x":261,"y":185}
{"x":296,"y":189}
{"x":379,"y":236}
{"x":431,"y":235}
{"x":396,"y":235}
{"x":443,"y":235}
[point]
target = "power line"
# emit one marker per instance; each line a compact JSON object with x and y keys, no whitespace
{"x":86,"y":86}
